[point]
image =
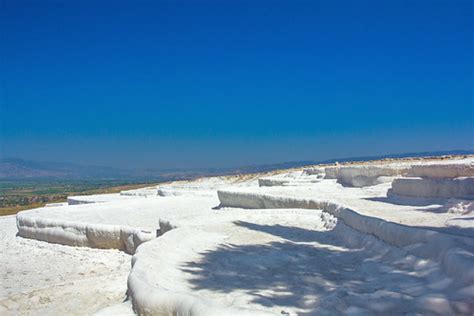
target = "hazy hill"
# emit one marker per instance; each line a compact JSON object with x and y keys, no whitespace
{"x":18,"y":169}
{"x":15,"y":168}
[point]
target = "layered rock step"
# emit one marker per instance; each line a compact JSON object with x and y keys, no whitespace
{"x":461,"y":188}
{"x":123,"y":224}
{"x":439,"y":180}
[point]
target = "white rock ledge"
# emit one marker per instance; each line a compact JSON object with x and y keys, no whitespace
{"x":183,"y":190}
{"x":331,"y":172}
{"x":99,"y":198}
{"x":314,"y":171}
{"x":270,"y":182}
{"x":463,"y":168}
{"x":361,"y":176}
{"x":149,"y":298}
{"x":79,"y":234}
{"x":150,"y":191}
{"x":462,"y":188}
{"x":448,"y":250}
{"x":290,"y":179}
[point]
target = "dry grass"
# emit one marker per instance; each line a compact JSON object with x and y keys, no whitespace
{"x":11,"y":210}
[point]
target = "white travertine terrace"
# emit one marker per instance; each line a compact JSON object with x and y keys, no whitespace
{"x":314,"y":171}
{"x":183,"y":190}
{"x":124,"y":224}
{"x":361,"y":176}
{"x":150,"y":191}
{"x":442,"y":247}
{"x":452,"y":179}
{"x":225,"y":246}
{"x":460,"y":168}
{"x":462,"y":188}
{"x":272,"y":181}
{"x":331,"y":172}
{"x":290,"y":179}
{"x":97,"y":198}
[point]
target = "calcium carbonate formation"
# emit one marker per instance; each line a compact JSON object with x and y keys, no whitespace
{"x":393,"y":237}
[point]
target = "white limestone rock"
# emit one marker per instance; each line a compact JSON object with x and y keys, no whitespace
{"x":462,"y":188}
{"x":461,"y":168}
{"x":73,"y":233}
{"x":368,"y":175}
{"x":314,"y":171}
{"x":150,"y":191}
{"x":331,"y":172}
{"x":97,"y":198}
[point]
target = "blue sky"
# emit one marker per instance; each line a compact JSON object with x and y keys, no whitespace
{"x":229,"y":83}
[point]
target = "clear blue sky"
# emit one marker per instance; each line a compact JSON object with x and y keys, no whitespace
{"x":228,"y":83}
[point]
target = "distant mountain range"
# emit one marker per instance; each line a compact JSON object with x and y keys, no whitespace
{"x":19,"y":169}
{"x":15,"y":168}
